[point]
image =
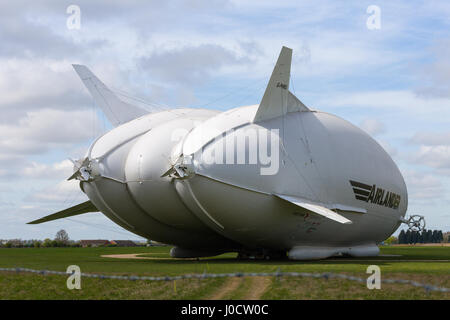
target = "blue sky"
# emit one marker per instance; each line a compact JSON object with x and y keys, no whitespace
{"x":393,"y":82}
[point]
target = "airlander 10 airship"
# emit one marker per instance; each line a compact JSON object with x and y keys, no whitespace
{"x":262,"y":180}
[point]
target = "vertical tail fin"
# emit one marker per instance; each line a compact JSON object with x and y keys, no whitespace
{"x":116,"y":110}
{"x":277,"y":99}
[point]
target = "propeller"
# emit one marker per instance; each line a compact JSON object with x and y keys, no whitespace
{"x":85,"y":169}
{"x":181,"y":169}
{"x":416,"y":223}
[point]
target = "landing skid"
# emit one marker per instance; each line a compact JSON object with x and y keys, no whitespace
{"x":317,"y":253}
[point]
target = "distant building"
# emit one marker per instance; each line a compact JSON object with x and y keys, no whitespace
{"x":123,"y":243}
{"x":94,"y":243}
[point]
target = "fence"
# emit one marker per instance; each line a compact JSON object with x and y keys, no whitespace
{"x":278,"y":274}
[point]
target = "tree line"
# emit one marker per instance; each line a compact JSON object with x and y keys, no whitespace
{"x":61,"y":240}
{"x":426,"y":236}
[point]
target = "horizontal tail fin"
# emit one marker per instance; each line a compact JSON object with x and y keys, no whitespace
{"x":316,"y":208}
{"x":116,"y":110}
{"x":81,"y":208}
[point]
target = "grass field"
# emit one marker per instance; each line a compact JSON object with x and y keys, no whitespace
{"x":429,"y":265}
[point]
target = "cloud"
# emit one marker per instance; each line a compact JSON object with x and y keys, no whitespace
{"x":177,"y":71}
{"x":190,"y":65}
{"x":437,"y":157}
{"x":431,"y":139}
{"x":40,"y":131}
{"x":58,"y":170}
{"x":435,"y":76}
{"x":423,"y":187}
{"x":35,"y":84}
{"x":373,"y":126}
{"x":27,"y":39}
{"x":396,"y":100}
{"x":59,"y":193}
{"x":391,"y":150}
{"x":433,"y":150}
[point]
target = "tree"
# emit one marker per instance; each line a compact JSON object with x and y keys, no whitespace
{"x":408,"y":237}
{"x":401,"y":237}
{"x":440,"y":236}
{"x":421,"y":237}
{"x":429,"y":236}
{"x":434,"y":237}
{"x":414,"y":237}
{"x":62,"y":237}
{"x":47,"y":243}
{"x":390,"y":240}
{"x":425,"y":236}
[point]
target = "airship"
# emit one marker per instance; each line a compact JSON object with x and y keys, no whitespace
{"x":277,"y":179}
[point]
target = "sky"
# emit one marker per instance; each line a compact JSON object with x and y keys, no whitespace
{"x":386,"y":71}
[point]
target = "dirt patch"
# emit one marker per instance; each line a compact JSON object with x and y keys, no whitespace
{"x":258,"y":287}
{"x":138,"y":256}
{"x":229,"y":286}
{"x":126,"y":256}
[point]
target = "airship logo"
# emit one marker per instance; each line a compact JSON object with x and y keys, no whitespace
{"x":281,"y":85}
{"x":372,"y":194}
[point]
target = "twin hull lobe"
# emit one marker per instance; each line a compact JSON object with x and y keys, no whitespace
{"x":229,"y":204}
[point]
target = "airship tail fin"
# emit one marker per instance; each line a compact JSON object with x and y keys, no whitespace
{"x":81,"y":208}
{"x":115,"y":110}
{"x":317,"y":208}
{"x":277,"y":99}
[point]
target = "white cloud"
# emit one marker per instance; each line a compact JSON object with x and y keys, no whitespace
{"x":373,"y":126}
{"x":432,"y":138}
{"x":64,"y":193}
{"x":396,"y":100}
{"x":29,"y":84}
{"x":190,"y":65}
{"x":433,"y":150}
{"x":54,"y":171}
{"x":391,"y":150}
{"x":44,"y":129}
{"x":435,"y":76}
{"x":434,"y":156}
{"x":423,"y":187}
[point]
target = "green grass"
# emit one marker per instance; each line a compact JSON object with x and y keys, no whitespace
{"x":29,"y":286}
